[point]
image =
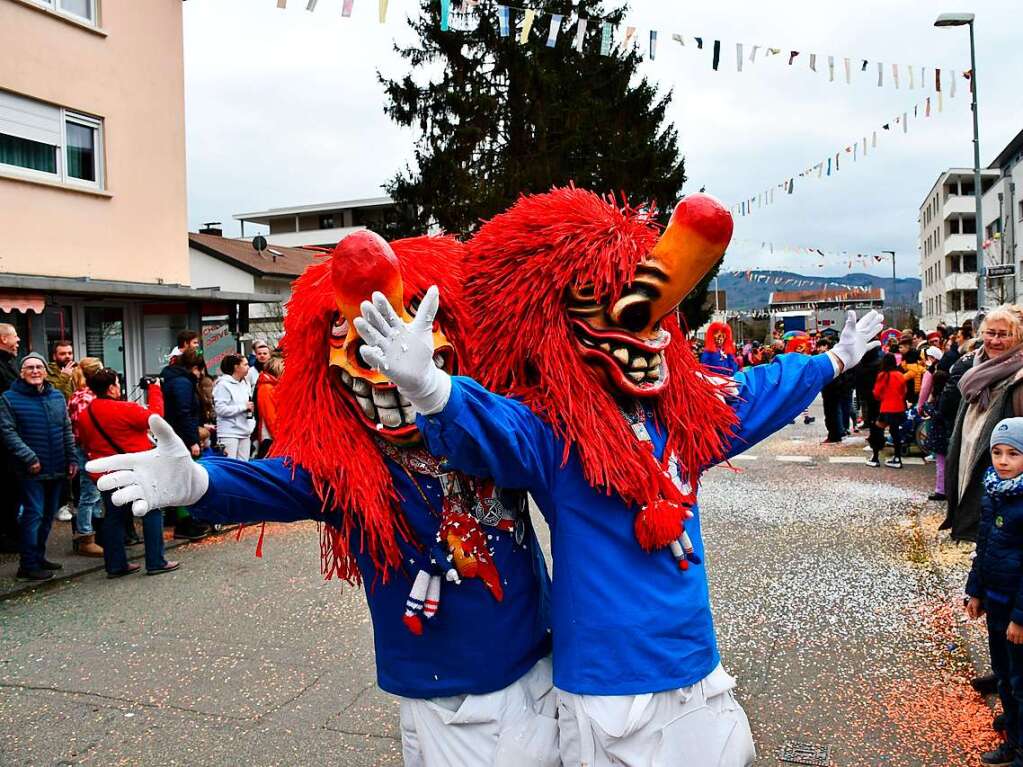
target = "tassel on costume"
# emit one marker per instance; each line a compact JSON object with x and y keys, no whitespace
{"x":416,"y":602}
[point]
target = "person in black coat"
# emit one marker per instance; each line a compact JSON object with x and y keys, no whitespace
{"x":864,"y":376}
{"x":183,"y":411}
{"x":9,"y":535}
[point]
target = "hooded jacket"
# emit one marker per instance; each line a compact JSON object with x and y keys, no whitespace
{"x":181,"y":403}
{"x":230,"y":401}
{"x":997,"y":572}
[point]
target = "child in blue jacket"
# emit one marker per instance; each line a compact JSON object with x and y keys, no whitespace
{"x":995,"y":585}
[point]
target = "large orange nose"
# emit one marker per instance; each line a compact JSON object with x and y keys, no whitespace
{"x":695,"y":240}
{"x":362,"y":263}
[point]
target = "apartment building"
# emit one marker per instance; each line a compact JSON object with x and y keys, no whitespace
{"x":948,"y":238}
{"x":92,"y":183}
{"x":323,"y":224}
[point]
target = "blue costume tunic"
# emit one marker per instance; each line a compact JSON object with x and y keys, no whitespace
{"x":474,"y":644}
{"x":720,"y":362}
{"x":625,"y":621}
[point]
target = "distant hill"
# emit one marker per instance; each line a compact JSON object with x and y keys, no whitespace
{"x":746,"y":294}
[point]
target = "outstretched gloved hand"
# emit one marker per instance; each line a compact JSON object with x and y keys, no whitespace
{"x":163,"y":477}
{"x":403,"y":351}
{"x":857,"y":338}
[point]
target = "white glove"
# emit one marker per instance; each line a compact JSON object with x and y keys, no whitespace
{"x":857,"y":339}
{"x":404,"y":351}
{"x":161,"y":478}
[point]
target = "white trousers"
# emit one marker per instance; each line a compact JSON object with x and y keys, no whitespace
{"x":697,"y":726}
{"x":237,"y":447}
{"x":513,"y":727}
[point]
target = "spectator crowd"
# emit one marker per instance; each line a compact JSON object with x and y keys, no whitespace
{"x":58,"y":413}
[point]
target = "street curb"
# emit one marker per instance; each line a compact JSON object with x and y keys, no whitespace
{"x":23,"y":586}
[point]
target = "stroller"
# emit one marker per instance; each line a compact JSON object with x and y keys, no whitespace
{"x":913,"y":432}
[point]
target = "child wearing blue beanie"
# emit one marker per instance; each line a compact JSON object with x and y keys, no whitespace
{"x":995,"y":585}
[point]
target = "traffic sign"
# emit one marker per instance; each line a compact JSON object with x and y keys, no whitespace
{"x":1002,"y":270}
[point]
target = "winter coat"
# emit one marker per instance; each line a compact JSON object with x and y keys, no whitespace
{"x":963,"y":517}
{"x":864,"y":377}
{"x":61,"y":381}
{"x":34,"y":426}
{"x":181,"y":403}
{"x":9,"y":372}
{"x":914,"y":379}
{"x":997,"y":572}
{"x":230,"y":400}
{"x":125,"y":423}
{"x":890,"y":392}
{"x":266,"y":405}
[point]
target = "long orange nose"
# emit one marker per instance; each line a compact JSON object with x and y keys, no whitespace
{"x":696,"y":238}
{"x":362,"y":263}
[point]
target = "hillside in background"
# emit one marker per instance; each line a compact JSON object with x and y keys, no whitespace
{"x":746,"y":294}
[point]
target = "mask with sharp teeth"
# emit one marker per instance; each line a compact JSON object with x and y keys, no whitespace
{"x":363,"y":262}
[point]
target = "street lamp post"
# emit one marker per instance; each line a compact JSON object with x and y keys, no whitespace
{"x":958,"y":20}
{"x":895,"y":319}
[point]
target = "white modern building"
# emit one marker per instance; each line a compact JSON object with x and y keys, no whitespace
{"x":948,"y":240}
{"x":322,"y":225}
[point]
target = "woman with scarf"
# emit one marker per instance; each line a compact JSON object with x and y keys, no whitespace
{"x":992,"y":389}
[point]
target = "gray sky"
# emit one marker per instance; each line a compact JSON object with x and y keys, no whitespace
{"x":283,"y":108}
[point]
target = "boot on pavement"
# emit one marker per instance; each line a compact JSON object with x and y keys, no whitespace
{"x":999,"y":723}
{"x":85,"y":546}
{"x":1003,"y":756}
{"x":985,"y":685}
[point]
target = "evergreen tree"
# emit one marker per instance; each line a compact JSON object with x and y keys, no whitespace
{"x":500,"y":118}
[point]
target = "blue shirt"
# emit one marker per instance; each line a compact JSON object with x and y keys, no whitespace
{"x":474,"y":644}
{"x":625,"y":622}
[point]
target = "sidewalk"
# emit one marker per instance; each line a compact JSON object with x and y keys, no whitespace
{"x":58,"y":549}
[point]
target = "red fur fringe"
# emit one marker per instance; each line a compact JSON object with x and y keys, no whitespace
{"x":519,"y":266}
{"x":317,"y":430}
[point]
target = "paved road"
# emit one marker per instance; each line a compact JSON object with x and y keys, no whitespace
{"x":831,"y":610}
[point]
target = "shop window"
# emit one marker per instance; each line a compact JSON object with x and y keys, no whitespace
{"x":160,"y":338}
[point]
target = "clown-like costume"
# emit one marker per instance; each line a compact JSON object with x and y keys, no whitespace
{"x":609,"y":423}
{"x":719,"y":350}
{"x":456,"y":584}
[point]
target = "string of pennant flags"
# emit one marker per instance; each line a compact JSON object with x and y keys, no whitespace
{"x":822,"y":256}
{"x":769,"y":278}
{"x":521,"y":21}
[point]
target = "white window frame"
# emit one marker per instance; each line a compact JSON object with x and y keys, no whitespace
{"x":61,"y":175}
{"x":89,"y":122}
{"x":56,"y":7}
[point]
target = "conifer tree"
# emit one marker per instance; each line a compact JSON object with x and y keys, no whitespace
{"x":497,"y":118}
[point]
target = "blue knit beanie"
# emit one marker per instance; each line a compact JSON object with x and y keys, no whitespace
{"x":1008,"y":431}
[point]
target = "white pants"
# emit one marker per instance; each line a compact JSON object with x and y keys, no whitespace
{"x":513,"y":727}
{"x":697,"y":726}
{"x":237,"y":447}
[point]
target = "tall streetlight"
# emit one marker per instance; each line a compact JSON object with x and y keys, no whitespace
{"x":895,"y":318}
{"x":958,"y":20}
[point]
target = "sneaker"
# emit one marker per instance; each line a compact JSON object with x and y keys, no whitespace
{"x":893,"y":463}
{"x":986,"y":684}
{"x":937,"y":497}
{"x":830,"y":441}
{"x":873,"y":462}
{"x":34,"y":575}
{"x":1003,"y":756}
{"x":929,"y":458}
{"x":48,"y":565}
{"x":64,"y":513}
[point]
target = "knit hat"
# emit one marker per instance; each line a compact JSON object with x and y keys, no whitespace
{"x":33,"y":356}
{"x":934,"y":352}
{"x":1008,"y":431}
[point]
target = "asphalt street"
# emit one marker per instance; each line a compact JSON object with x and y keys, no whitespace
{"x":835,"y":602}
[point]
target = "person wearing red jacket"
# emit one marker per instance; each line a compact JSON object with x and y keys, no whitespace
{"x":110,"y":426}
{"x":890,"y":392}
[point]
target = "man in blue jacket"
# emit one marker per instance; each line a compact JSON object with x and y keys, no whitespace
{"x":36,"y":432}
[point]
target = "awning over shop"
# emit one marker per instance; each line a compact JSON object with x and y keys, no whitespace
{"x":115,"y":289}
{"x":22,"y":302}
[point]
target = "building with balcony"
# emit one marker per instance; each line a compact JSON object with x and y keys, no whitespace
{"x":322,"y":225}
{"x":948,"y":247}
{"x":1002,"y":209}
{"x":92,"y":184}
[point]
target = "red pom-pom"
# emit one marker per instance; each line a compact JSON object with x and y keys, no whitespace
{"x":683,"y":565}
{"x":658,"y":524}
{"x":413,"y":624}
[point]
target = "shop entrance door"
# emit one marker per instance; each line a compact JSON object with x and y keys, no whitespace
{"x":104,"y":335}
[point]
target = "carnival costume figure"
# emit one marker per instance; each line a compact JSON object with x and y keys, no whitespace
{"x":719,"y":350}
{"x":456,"y":584}
{"x":607,"y":418}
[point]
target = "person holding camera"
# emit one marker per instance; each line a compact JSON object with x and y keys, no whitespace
{"x":232,"y":400}
{"x":110,"y":426}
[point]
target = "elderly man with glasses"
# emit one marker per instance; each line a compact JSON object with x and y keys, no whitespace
{"x":36,"y":431}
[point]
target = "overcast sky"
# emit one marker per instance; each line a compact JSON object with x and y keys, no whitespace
{"x":283,"y":108}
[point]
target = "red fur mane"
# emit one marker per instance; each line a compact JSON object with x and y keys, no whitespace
{"x":316,"y":428}
{"x":711,"y":345}
{"x":519,"y":266}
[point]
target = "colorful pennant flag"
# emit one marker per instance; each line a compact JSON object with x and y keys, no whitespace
{"x":346,"y":8}
{"x":311,"y":5}
{"x":605,"y":40}
{"x":282,"y":3}
{"x":527,"y":25}
{"x":552,"y":34}
{"x":717,"y":54}
{"x":503,"y":20}
{"x":383,"y":11}
{"x":580,"y":34}
{"x":653,"y":44}
{"x":445,"y":10}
